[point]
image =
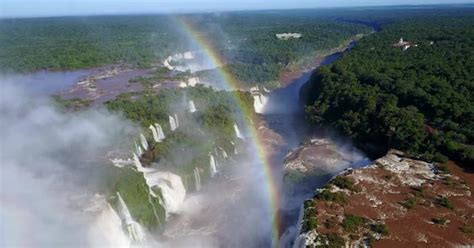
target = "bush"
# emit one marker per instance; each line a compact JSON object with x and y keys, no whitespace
{"x":331,"y":240}
{"x":310,"y":224}
{"x":380,"y":228}
{"x":327,"y":195}
{"x":344,"y":183}
{"x":352,"y":222}
{"x":440,"y":221}
{"x":444,"y":202}
{"x":409,"y":203}
{"x":467,"y":229}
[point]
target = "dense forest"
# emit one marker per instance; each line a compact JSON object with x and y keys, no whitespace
{"x":246,"y":40}
{"x":418,"y":99}
{"x":82,"y":42}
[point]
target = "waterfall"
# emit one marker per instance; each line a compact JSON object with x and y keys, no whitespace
{"x":235,"y":148}
{"x":300,"y":240}
{"x":171,"y":187}
{"x":259,"y":102}
{"x":212,"y":165}
{"x":114,"y":236}
{"x":135,"y":230}
{"x":143,"y":142}
{"x":155,"y":133}
{"x":159,"y":132}
{"x":192,"y":107}
{"x":176,"y":120}
{"x":237,"y":132}
{"x":197,"y":179}
{"x":224,"y":153}
{"x":137,"y":163}
{"x":140,"y":151}
{"x":173,"y":125}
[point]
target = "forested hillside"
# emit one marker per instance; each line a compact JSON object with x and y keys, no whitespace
{"x":419,"y":100}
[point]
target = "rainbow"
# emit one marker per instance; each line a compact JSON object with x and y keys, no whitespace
{"x":272,"y":192}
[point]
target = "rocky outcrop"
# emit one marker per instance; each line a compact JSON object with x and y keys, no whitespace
{"x":398,"y":201}
{"x":318,"y":157}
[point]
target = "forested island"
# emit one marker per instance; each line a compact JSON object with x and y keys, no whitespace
{"x":416,"y":98}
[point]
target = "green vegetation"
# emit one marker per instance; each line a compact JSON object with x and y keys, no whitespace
{"x":380,"y":228}
{"x":418,"y":100}
{"x":310,"y":221}
{"x":327,"y":195}
{"x":344,"y":183}
{"x":82,"y":42}
{"x":444,"y":202}
{"x":246,"y":41}
{"x":132,"y":187}
{"x":331,"y":240}
{"x":216,"y":115}
{"x":409,"y":203}
{"x":75,"y":103}
{"x":466,"y":228}
{"x":352,"y":223}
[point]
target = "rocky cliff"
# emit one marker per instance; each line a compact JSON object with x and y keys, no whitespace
{"x":398,"y":201}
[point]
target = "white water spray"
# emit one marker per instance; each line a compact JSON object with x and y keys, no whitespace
{"x":143,"y":142}
{"x":192,"y":107}
{"x":159,"y":132}
{"x":135,"y":230}
{"x":171,"y":187}
{"x":173,"y":125}
{"x":176,"y":120}
{"x":259,"y":102}
{"x":237,"y":132}
{"x":155,"y":133}
{"x":212,"y":165}
{"x":235,"y":148}
{"x":197,"y":179}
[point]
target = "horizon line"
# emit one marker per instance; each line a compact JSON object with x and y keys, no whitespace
{"x":210,"y":11}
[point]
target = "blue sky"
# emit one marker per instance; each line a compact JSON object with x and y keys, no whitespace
{"x":28,"y":8}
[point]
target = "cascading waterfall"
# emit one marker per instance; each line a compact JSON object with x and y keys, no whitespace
{"x":138,"y":149}
{"x":143,"y":142}
{"x":237,"y":132}
{"x":197,"y":179}
{"x":171,"y":187}
{"x":173,"y":125}
{"x":212,"y":165}
{"x":109,"y":220}
{"x":137,"y":163}
{"x":259,"y":102}
{"x":135,"y":230}
{"x":155,"y":133}
{"x":192,"y":107}
{"x":159,"y":132}
{"x":176,"y":120}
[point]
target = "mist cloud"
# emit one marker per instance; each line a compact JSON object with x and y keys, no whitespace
{"x":50,"y":167}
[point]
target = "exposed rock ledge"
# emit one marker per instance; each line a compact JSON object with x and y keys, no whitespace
{"x":398,"y":201}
